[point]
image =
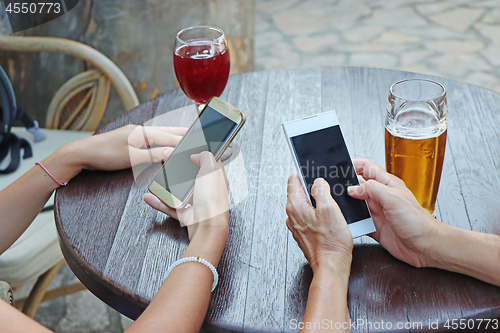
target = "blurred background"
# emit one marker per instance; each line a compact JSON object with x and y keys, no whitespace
{"x":458,"y":39}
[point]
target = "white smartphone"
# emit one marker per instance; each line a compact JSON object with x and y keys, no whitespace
{"x":319,"y":150}
{"x":213,"y":130}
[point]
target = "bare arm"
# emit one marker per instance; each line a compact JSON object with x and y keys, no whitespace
{"x":326,"y":241}
{"x":467,"y":252}
{"x":412,"y":235}
{"x":327,"y":300}
{"x":15,"y":321}
{"x":21,"y":202}
{"x":182,"y":301}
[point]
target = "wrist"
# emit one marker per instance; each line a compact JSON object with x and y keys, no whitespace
{"x":63,"y":164}
{"x":432,"y":251}
{"x":207,"y":241}
{"x":216,"y":228}
{"x":338,"y":263}
{"x":334,"y":270}
{"x":74,"y":155}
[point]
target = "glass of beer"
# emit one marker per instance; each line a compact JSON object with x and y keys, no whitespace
{"x":415,"y":136}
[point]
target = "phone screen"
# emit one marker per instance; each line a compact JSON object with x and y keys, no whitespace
{"x":323,"y":153}
{"x":208,"y":133}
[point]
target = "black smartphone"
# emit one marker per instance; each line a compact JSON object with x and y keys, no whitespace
{"x":319,"y":150}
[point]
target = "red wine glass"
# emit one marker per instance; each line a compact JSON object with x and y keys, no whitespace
{"x":201,"y":62}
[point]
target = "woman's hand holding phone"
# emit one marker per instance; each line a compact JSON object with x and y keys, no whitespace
{"x":113,"y":150}
{"x":123,"y":147}
{"x":209,"y":212}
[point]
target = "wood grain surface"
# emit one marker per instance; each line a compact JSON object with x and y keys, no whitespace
{"x":120,"y":248}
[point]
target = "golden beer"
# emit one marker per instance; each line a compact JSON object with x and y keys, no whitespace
{"x":418,"y":162}
{"x":416,"y":122}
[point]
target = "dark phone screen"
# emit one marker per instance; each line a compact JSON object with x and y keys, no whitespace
{"x":208,"y":133}
{"x":323,"y":153}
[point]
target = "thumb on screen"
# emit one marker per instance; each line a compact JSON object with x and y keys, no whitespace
{"x":205,"y":160}
{"x":322,"y":194}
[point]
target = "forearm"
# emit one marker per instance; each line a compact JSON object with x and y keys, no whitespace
{"x":468,"y":252}
{"x":14,"y":321}
{"x":326,"y":309}
{"x":21,"y":202}
{"x":182,"y":301}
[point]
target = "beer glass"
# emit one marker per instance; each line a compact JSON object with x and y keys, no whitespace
{"x":415,"y":136}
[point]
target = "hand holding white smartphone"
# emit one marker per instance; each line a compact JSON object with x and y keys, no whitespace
{"x":214,"y":129}
{"x":319,"y":150}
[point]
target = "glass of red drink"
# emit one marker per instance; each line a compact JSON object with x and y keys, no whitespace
{"x":201,"y":62}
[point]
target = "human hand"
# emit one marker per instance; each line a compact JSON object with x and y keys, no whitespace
{"x":123,"y":147}
{"x":321,"y":233}
{"x":404,"y":228}
{"x":210,"y":204}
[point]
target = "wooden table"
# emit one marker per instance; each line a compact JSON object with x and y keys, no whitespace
{"x":120,"y":248}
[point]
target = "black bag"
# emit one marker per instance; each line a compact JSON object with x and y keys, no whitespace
{"x":9,"y":111}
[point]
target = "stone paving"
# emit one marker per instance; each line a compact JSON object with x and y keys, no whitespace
{"x":459,"y":39}
{"x":81,"y":312}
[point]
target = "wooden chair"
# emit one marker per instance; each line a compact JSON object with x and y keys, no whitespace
{"x":78,"y":105}
{"x":6,"y":293}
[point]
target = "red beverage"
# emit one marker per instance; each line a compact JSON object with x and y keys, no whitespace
{"x":202,"y":69}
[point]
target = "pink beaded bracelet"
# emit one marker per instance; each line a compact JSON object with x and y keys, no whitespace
{"x":47,"y":171}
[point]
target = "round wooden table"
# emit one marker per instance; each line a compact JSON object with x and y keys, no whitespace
{"x":120,"y":248}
